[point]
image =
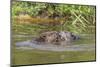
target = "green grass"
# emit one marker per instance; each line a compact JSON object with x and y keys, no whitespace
{"x":80,"y":18}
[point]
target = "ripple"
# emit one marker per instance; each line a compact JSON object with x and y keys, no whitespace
{"x":41,"y":46}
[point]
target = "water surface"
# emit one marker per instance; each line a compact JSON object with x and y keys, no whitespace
{"x":26,"y":52}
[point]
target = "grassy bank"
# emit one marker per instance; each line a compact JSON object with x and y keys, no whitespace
{"x":75,"y":18}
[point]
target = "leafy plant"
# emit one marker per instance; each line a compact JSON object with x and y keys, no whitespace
{"x":80,"y":18}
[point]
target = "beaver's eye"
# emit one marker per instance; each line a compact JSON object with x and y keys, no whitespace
{"x":44,"y":36}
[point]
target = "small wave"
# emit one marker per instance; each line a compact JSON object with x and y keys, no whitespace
{"x":50,"y":47}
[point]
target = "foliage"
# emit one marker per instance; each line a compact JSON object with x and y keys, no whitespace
{"x":80,"y":18}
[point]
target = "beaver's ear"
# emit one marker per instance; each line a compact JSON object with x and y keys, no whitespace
{"x":73,"y":37}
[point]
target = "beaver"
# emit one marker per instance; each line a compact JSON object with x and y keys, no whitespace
{"x":56,"y":37}
{"x":49,"y":37}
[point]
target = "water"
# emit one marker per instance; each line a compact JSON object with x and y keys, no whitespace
{"x":26,"y":52}
{"x":31,"y":44}
{"x":50,"y":47}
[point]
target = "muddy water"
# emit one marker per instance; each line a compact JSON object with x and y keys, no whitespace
{"x":25,"y":52}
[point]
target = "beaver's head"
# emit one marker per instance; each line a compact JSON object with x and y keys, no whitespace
{"x":48,"y":36}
